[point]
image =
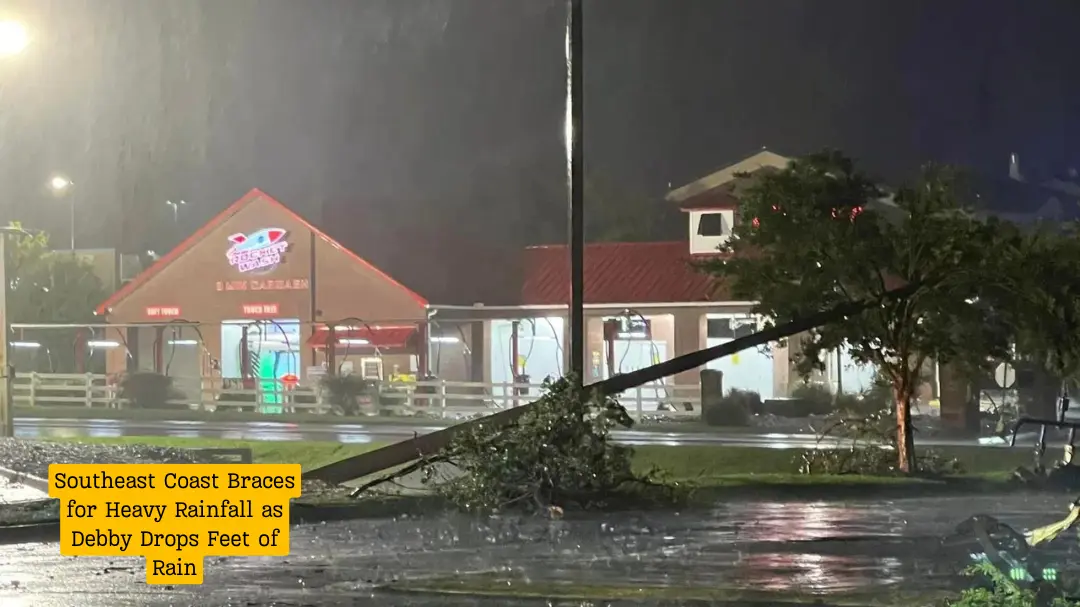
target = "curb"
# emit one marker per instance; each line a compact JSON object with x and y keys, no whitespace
{"x":34,"y":533}
{"x":34,"y":482}
{"x":392,"y":589}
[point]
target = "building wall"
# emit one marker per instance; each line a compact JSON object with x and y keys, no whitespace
{"x":201,"y":286}
{"x":708,"y":244}
{"x":683,"y":328}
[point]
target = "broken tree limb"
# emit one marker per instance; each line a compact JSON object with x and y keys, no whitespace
{"x":366,"y":464}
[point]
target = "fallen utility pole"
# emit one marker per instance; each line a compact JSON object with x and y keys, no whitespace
{"x":366,"y":464}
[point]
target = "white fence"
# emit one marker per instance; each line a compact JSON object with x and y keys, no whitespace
{"x":439,"y":398}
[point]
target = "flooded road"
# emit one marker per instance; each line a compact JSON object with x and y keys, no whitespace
{"x":818,"y":547}
{"x":382,"y":432}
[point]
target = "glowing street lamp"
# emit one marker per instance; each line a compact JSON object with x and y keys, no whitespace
{"x":14,"y":38}
{"x":59,"y":185}
{"x":175,"y":209}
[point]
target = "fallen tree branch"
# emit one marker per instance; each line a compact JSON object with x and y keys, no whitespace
{"x":416,"y":466}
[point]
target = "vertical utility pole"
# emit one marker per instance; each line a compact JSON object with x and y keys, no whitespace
{"x":576,"y":179}
{"x":7,"y":422}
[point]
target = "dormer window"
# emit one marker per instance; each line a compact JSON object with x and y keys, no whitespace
{"x":713,"y":224}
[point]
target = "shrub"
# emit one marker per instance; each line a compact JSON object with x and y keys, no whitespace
{"x":811,"y":399}
{"x":557,"y":455}
{"x":867,"y":435}
{"x":149,"y":390}
{"x":734,"y":409}
{"x":344,"y":391}
{"x":1003,"y":592}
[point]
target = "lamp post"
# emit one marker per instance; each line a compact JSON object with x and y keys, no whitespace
{"x":60,"y":185}
{"x":175,"y":209}
{"x":14,"y":38}
{"x":7,"y":371}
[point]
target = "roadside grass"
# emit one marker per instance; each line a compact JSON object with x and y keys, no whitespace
{"x":512,"y":587}
{"x":309,"y":454}
{"x":232,"y":415}
{"x":697,"y":466}
{"x":706,"y":464}
{"x":191,"y":415}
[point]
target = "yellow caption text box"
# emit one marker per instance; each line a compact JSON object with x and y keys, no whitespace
{"x":175,"y":515}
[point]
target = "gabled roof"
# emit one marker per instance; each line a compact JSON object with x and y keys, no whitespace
{"x":762,"y":159}
{"x":200,"y":234}
{"x":717,"y":198}
{"x":619,"y":273}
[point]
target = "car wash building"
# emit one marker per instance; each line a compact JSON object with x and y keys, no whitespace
{"x":259,"y":293}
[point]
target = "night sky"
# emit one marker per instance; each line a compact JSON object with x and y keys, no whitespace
{"x":426,"y":134}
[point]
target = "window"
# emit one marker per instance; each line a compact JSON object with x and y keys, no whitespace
{"x":371,"y":368}
{"x":712,"y":224}
{"x":731,"y":328}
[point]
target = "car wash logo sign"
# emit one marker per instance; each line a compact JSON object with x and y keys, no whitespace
{"x":258,"y":252}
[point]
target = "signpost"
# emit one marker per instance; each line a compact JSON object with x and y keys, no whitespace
{"x":1004,"y":377}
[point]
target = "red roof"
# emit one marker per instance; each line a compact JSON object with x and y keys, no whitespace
{"x":619,"y":273}
{"x":376,"y":336}
{"x":210,"y":226}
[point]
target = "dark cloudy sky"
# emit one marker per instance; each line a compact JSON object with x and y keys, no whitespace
{"x":426,"y":133}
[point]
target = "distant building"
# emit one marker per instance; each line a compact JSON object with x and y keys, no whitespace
{"x":112,"y":268}
{"x":645,"y":302}
{"x":1026,"y":195}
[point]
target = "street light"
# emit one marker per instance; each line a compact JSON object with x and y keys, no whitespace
{"x":14,"y":38}
{"x":175,"y":209}
{"x":61,"y":184}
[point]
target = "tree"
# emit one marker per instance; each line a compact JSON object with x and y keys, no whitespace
{"x":50,"y":287}
{"x":821,"y":233}
{"x":1045,"y":309}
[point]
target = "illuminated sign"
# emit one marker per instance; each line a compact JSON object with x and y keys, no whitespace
{"x":288,"y":284}
{"x":259,"y":309}
{"x":259,"y":251}
{"x":163,"y":312}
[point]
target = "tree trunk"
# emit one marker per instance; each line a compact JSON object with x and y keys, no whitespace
{"x":905,"y":439}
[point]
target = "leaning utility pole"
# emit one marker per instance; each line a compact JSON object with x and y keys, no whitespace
{"x":576,"y":182}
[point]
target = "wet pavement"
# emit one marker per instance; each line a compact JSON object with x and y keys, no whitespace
{"x":356,"y":433}
{"x":819,"y":547}
{"x":13,"y":493}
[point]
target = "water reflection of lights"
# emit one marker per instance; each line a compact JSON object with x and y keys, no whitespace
{"x":815,"y":573}
{"x":809,"y":572}
{"x":354,"y":438}
{"x":796,"y":521}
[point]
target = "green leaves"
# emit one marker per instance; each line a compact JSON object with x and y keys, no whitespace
{"x":827,"y":234}
{"x":47,"y":286}
{"x":557,"y":455}
{"x":821,"y":233}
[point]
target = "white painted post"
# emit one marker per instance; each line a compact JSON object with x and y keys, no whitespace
{"x":442,"y":397}
{"x":33,"y":388}
{"x":89,"y":389}
{"x":637,"y":391}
